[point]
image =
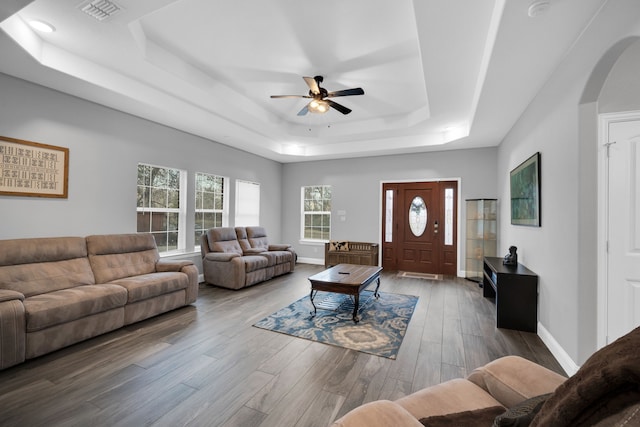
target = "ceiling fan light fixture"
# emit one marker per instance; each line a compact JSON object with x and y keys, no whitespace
{"x":318,"y":106}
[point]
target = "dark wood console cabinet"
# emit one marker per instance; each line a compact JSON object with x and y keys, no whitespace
{"x":515,"y":289}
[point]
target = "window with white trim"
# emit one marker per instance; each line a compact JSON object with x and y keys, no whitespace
{"x":316,"y":213}
{"x":247,"y":203}
{"x":161,"y":205}
{"x":212,"y":204}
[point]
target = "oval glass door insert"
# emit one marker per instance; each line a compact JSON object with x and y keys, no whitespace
{"x":418,"y":216}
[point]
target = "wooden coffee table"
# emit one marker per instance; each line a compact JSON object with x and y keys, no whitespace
{"x":348,"y":279}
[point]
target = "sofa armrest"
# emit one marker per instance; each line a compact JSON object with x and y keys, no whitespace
{"x":13,"y":329}
{"x":381,"y":413}
{"x":280,"y":247}
{"x":172,"y":265}
{"x":8,"y":295}
{"x":221,"y":256}
{"x":512,"y":379}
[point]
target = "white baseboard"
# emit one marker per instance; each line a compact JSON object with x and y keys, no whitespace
{"x":315,"y":261}
{"x":567,"y":363}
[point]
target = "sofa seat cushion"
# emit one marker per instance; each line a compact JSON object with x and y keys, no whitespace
{"x":255,"y":262}
{"x":449,"y":397}
{"x":277,"y":257}
{"x":152,"y":285}
{"x":282,"y":257}
{"x":54,"y":308}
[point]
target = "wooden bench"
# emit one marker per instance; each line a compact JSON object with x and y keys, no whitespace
{"x":360,"y":253}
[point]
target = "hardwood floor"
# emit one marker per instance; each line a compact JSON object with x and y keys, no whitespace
{"x":205,"y":365}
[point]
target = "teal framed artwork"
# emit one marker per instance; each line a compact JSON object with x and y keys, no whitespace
{"x":525,"y":192}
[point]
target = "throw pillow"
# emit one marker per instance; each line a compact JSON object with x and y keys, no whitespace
{"x":521,"y":414}
{"x":476,"y":417}
{"x":338,"y":246}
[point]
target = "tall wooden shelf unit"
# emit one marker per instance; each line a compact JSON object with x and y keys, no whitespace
{"x":481,"y":239}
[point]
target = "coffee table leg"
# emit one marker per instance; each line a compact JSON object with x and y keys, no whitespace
{"x":356,"y":305}
{"x":375,"y":293}
{"x":311,"y":296}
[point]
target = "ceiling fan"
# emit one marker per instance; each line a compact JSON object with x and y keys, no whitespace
{"x":318,"y":95}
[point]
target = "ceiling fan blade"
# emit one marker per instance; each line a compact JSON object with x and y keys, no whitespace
{"x":339,"y":107}
{"x":346,"y":92}
{"x":290,"y":96}
{"x":304,"y":110}
{"x":313,"y":84}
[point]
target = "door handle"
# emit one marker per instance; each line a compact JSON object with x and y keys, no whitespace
{"x":435,"y":227}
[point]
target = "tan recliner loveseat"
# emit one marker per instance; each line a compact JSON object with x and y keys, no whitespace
{"x":235,"y":258}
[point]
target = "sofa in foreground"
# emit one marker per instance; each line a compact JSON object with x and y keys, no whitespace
{"x":512,"y":391}
{"x":58,"y":291}
{"x":235,"y":258}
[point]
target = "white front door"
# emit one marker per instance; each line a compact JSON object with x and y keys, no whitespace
{"x":621,"y":150}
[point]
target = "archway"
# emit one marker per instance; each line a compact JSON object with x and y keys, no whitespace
{"x":593,"y":255}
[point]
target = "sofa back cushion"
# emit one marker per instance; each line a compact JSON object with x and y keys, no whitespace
{"x":258,"y":237}
{"x":116,"y":256}
{"x":223,"y":239}
{"x":41,"y":265}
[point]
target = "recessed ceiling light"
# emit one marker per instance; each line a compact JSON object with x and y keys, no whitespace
{"x":43,"y":27}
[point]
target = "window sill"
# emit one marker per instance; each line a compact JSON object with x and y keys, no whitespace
{"x":313,"y":242}
{"x":178,"y":254}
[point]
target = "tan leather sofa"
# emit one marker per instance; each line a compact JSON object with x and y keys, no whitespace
{"x":512,"y":391}
{"x":235,"y":258}
{"x":58,"y":291}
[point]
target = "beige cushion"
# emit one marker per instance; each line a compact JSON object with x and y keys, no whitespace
{"x":452,"y":396}
{"x":258,"y":237}
{"x":54,"y":308}
{"x":254,"y":262}
{"x":148,"y":286}
{"x":40,"y":278}
{"x":223,"y":239}
{"x":118,"y":256}
{"x":45,"y":249}
{"x":512,"y":379}
{"x":335,"y":245}
{"x":37,"y":266}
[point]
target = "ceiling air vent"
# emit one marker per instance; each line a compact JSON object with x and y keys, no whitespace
{"x":101,"y":9}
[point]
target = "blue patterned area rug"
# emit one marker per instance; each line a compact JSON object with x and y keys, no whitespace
{"x":382,"y":326}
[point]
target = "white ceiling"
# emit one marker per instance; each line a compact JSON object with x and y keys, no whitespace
{"x":437,"y":74}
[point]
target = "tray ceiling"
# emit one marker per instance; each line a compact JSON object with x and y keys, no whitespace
{"x":437,"y":74}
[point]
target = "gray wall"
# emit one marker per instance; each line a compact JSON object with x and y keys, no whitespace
{"x":562,"y":126}
{"x":356,"y":189}
{"x":621,"y":89}
{"x":105,"y":147}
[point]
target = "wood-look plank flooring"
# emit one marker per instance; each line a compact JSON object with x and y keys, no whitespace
{"x":205,"y":365}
